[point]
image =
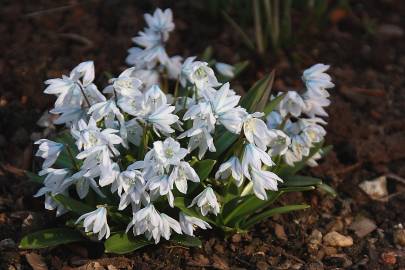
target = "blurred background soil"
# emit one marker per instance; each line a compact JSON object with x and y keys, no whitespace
{"x":363,"y":43}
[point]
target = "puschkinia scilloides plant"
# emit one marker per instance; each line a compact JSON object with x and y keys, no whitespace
{"x":167,"y":148}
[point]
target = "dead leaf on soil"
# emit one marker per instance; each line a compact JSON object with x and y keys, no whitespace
{"x":280,"y":233}
{"x":36,"y":261}
{"x":362,"y":226}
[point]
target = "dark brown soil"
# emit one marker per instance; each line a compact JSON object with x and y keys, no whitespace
{"x":44,"y":39}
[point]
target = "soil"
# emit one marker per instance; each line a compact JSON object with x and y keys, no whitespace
{"x":363,"y":44}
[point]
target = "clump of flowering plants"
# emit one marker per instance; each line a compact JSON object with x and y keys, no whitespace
{"x":167,"y":148}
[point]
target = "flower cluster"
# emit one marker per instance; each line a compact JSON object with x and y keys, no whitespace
{"x":138,"y":141}
{"x":298,"y":116}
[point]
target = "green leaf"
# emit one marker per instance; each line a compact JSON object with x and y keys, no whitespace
{"x":203,"y":168}
{"x":239,"y":67}
{"x":223,"y":142}
{"x":207,"y":54}
{"x":300,"y":180}
{"x":50,"y":238}
{"x":239,"y":30}
{"x":180,"y":202}
{"x":258,"y":95}
{"x":186,"y":240}
{"x":273,"y":104}
{"x":250,"y":204}
{"x":34,"y":177}
{"x":121,"y":243}
{"x":328,"y":189}
{"x":269,"y":213}
{"x":73,"y":205}
{"x":64,"y":159}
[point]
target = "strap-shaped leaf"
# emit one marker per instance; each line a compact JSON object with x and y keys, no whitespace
{"x":258,"y":95}
{"x":223,"y":141}
{"x":203,"y":168}
{"x":273,"y":104}
{"x":239,"y":30}
{"x":240,"y":67}
{"x":50,"y":238}
{"x":64,"y":159}
{"x":34,"y":177}
{"x":73,"y":205}
{"x":300,"y":180}
{"x":250,"y":204}
{"x":186,"y":240}
{"x":121,"y":243}
{"x":269,"y":213}
{"x":328,"y":189}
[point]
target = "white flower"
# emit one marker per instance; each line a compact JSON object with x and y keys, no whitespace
{"x":254,"y":157}
{"x":297,"y":150}
{"x":146,"y":221}
{"x":161,"y":22}
{"x":279,"y":143}
{"x":84,"y":70}
{"x":161,"y":185}
{"x":316,"y":80}
{"x":154,"y":97}
{"x":231,"y":167}
{"x":312,"y":162}
{"x":311,"y":132}
{"x":173,"y":67}
{"x":186,"y":69}
{"x":225,"y":69}
{"x":169,"y":152}
{"x":162,"y":118}
{"x":201,"y":75}
{"x":49,"y":151}
{"x":274,"y":120}
{"x":292,"y":103}
{"x":134,"y":131}
{"x":256,"y":131}
{"x":96,"y":222}
{"x":167,"y":224}
{"x":68,"y":115}
{"x":83,"y":180}
{"x":189,"y":223}
{"x":223,"y":100}
{"x":207,"y":202}
{"x":262,"y":181}
{"x":70,"y":89}
{"x":199,"y":138}
{"x":181,"y":173}
{"x":53,"y":182}
{"x":202,"y":116}
{"x":314,"y":105}
{"x":132,"y":189}
{"x":233,"y":119}
{"x":126,"y":85}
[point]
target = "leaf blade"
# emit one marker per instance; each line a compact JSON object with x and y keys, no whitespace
{"x":186,"y":240}
{"x":269,"y":213}
{"x":122,"y":243}
{"x":50,"y":238}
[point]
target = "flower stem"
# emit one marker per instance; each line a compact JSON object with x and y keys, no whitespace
{"x":72,"y":158}
{"x":84,"y":95}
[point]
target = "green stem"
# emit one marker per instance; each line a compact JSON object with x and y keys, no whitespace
{"x":72,"y":157}
{"x":145,"y":141}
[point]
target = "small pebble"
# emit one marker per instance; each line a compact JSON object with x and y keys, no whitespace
{"x":336,"y":239}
